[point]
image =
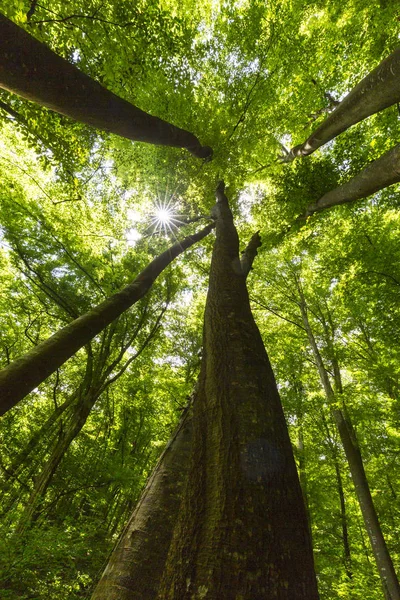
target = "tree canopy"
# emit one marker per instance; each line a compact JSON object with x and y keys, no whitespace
{"x":83,"y":212}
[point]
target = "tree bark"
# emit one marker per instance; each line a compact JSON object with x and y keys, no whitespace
{"x":377,"y":175}
{"x":242,"y":529}
{"x":24,"y":374}
{"x":343,"y":511}
{"x":31,"y":70}
{"x":301,"y":455}
{"x":390,"y":583}
{"x":20,"y":461}
{"x":43,"y":480}
{"x":378,"y":90}
{"x":136,"y":564}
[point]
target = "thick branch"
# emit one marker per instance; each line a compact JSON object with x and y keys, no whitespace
{"x":377,"y":175}
{"x":378,"y":90}
{"x":23,"y":375}
{"x":31,"y":70}
{"x":249,"y":254}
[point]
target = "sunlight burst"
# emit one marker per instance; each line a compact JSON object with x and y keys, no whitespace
{"x":165,"y":217}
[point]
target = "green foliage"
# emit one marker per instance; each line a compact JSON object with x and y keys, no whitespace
{"x":75,"y":211}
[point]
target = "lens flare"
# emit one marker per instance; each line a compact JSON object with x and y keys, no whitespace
{"x":165,"y":217}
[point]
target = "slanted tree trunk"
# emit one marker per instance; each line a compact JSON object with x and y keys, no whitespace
{"x":31,"y":70}
{"x":24,"y":374}
{"x":135,"y":567}
{"x":96,"y":380}
{"x":43,"y":480}
{"x":348,"y":438}
{"x":45,"y":431}
{"x":343,"y":511}
{"x":377,"y":175}
{"x":242,"y":529}
{"x":378,"y":90}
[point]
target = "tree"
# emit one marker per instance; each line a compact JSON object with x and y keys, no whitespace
{"x":101,"y":371}
{"x":292,"y":278}
{"x":33,"y":71}
{"x":73,"y":207}
{"x":137,"y":563}
{"x":378,"y":175}
{"x":242,"y":516}
{"x":23,"y":375}
{"x":378,"y":90}
{"x":390,"y":583}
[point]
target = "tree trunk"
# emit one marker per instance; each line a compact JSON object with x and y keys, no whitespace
{"x":31,"y":70}
{"x":24,"y":374}
{"x":377,"y":175}
{"x":242,"y":529}
{"x":43,"y":480}
{"x":343,"y":510}
{"x":136,"y":565}
{"x":348,"y":438}
{"x":20,"y":460}
{"x":303,"y":473}
{"x":378,"y":90}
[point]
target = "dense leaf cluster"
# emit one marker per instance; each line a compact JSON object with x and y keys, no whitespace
{"x":75,"y":211}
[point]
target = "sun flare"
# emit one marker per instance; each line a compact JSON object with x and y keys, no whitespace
{"x":165,"y":217}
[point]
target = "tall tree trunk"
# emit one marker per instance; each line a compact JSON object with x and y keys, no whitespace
{"x":348,"y":438}
{"x":24,"y":374}
{"x":136,"y":564}
{"x":378,"y":90}
{"x":242,"y":529}
{"x":43,"y":480}
{"x":377,"y":175}
{"x":303,"y":473}
{"x":343,"y":510}
{"x":30,"y":69}
{"x":20,"y":460}
{"x":301,"y":453}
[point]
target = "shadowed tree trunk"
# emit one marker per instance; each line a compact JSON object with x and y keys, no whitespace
{"x":377,"y":175}
{"x":31,"y":70}
{"x":24,"y":374}
{"x":242,"y":529}
{"x":136,"y":564}
{"x":378,"y":90}
{"x":390,"y":583}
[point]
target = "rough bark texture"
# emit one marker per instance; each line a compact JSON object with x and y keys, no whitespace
{"x":23,"y":375}
{"x":377,"y":175}
{"x":135,"y":567}
{"x":242,"y":530}
{"x":349,"y":441}
{"x":31,"y":70}
{"x":378,"y":90}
